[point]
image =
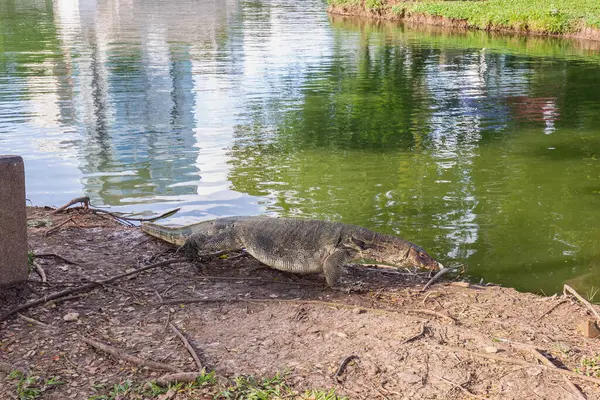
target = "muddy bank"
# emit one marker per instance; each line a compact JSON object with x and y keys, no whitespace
{"x":453,"y":341}
{"x":388,"y":13}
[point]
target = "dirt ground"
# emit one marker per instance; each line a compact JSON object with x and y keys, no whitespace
{"x":476,"y":341}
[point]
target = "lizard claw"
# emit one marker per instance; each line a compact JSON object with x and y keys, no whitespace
{"x":356,"y":287}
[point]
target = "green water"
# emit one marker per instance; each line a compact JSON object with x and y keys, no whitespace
{"x":482,"y":149}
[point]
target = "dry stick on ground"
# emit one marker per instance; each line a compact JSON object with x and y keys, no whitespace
{"x":184,"y":377}
{"x":192,"y":300}
{"x":49,"y":255}
{"x":418,"y":335}
{"x":269,"y":281}
{"x":343,"y":366}
{"x":115,"y":215}
{"x":84,"y":199}
{"x":188,"y":346}
{"x":54,"y":229}
{"x":551,"y":309}
{"x":465,"y":391}
{"x":87,"y":287}
{"x":569,"y":289}
{"x":578,"y":393}
{"x":523,"y":362}
{"x":435,"y":278}
{"x":129,"y":358}
{"x":34,"y":321}
{"x":40,"y":271}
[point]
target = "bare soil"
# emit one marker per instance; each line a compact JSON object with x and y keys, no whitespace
{"x":296,"y":325}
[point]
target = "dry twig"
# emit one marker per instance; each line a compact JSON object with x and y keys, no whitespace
{"x":47,"y":255}
{"x":523,"y":363}
{"x":188,"y":346}
{"x":434,"y":313}
{"x":40,"y":271}
{"x":461,"y":387}
{"x":185,"y":377}
{"x":418,"y":335}
{"x":551,"y":309}
{"x":54,"y":229}
{"x":85,"y":200}
{"x":192,"y":300}
{"x":34,"y":321}
{"x":87,"y":287}
{"x":151,"y":219}
{"x":569,"y":289}
{"x":435,"y":278}
{"x":340,"y":371}
{"x":128,"y":357}
{"x":578,"y":393}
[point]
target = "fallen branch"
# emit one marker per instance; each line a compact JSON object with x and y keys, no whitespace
{"x":435,"y":278}
{"x":128,"y":357}
{"x":569,"y":289}
{"x":462,"y":388}
{"x":343,"y":365}
{"x":48,"y":255}
{"x":551,"y":309}
{"x":538,"y":354}
{"x":151,"y":219}
{"x":184,"y":377}
{"x":87,"y":287}
{"x":523,"y":363}
{"x":34,"y":321}
{"x":188,"y":346}
{"x":54,"y":229}
{"x":85,"y":200}
{"x":192,"y":300}
{"x":40,"y":271}
{"x":434,"y":313}
{"x":418,"y":335}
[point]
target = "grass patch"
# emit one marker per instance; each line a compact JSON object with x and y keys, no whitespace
{"x":589,"y":366}
{"x":246,"y":388}
{"x":31,"y":386}
{"x":543,"y":16}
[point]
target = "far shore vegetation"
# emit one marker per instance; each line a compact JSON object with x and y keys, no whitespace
{"x":561,"y":17}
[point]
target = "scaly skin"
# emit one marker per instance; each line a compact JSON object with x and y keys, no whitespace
{"x":296,"y":245}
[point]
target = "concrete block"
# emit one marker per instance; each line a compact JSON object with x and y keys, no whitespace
{"x":13,"y":222}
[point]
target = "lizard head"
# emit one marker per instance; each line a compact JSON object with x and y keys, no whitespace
{"x":391,"y":250}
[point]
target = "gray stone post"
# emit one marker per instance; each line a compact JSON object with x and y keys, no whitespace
{"x":13,"y":222}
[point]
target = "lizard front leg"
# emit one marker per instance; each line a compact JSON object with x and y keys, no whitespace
{"x":332,"y":266}
{"x":199,"y":245}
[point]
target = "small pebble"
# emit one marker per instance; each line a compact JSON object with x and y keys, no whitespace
{"x":73,"y":316}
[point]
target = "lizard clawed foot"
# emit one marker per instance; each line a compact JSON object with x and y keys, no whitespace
{"x":355,"y":287}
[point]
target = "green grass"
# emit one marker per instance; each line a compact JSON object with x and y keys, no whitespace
{"x":543,"y":16}
{"x":241,"y":388}
{"x":31,"y":386}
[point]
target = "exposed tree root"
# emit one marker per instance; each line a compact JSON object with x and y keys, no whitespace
{"x":87,"y":287}
{"x":113,"y":351}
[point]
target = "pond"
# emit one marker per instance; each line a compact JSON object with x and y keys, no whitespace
{"x":481,"y":148}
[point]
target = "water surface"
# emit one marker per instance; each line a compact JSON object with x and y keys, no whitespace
{"x":482,"y":149}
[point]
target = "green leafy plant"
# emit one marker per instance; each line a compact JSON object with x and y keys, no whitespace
{"x":30,"y":386}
